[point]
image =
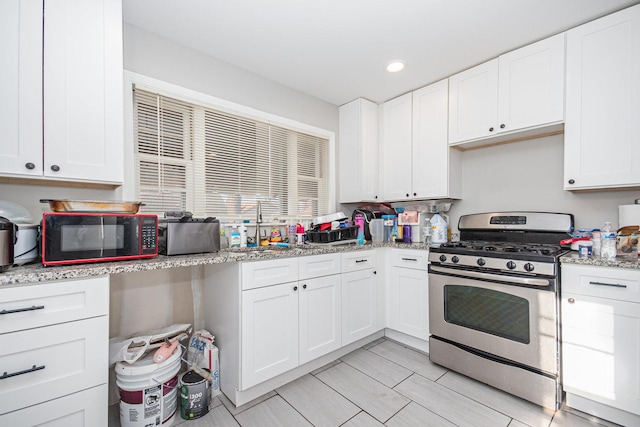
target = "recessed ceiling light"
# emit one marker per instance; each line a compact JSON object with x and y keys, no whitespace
{"x":395,"y":66}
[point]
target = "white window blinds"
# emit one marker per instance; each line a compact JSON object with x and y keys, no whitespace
{"x":213,"y":163}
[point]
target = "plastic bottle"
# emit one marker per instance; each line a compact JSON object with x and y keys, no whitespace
{"x":597,"y":242}
{"x":387,"y":221}
{"x":243,"y":236}
{"x":608,"y":242}
{"x":438,"y":229}
{"x":359,"y":220}
{"x":235,"y":237}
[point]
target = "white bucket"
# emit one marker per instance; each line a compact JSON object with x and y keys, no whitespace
{"x":148,"y":391}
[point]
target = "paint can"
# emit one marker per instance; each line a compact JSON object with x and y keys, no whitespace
{"x":195,"y":395}
{"x":148,"y":390}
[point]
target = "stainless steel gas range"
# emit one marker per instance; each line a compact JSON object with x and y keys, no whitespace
{"x":493,"y":306}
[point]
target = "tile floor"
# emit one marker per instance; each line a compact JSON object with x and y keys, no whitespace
{"x":384,"y":384}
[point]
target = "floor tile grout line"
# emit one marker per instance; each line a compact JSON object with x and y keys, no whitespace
{"x":375,"y":379}
{"x":294,"y":408}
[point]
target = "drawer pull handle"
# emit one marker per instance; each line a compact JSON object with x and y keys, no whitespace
{"x":26,"y":371}
{"x":409,"y":259}
{"x":19,"y":310}
{"x":358,"y":261}
{"x":613,"y":285}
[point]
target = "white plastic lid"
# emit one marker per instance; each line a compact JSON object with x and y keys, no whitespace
{"x":15,"y":213}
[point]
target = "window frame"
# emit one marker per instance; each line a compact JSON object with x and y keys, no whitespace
{"x":143,"y":82}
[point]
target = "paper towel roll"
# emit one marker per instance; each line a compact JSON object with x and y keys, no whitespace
{"x":628,"y":215}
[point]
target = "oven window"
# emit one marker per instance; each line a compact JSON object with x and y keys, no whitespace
{"x":486,"y":310}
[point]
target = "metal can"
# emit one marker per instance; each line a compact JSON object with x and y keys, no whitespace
{"x":195,"y":395}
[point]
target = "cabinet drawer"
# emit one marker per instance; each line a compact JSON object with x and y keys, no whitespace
{"x":605,"y":282}
{"x":318,"y":265}
{"x":407,"y":258}
{"x":52,"y":361}
{"x":82,"y":409}
{"x":32,"y":306}
{"x":265,"y":273}
{"x":358,"y":260}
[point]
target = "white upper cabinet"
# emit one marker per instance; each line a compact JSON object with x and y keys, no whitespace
{"x":416,"y":161}
{"x":602,"y":130}
{"x":69,"y":124}
{"x":473,"y":102}
{"x":520,"y":90}
{"x":358,"y":147}
{"x":21,"y":87}
{"x":436,"y":169}
{"x":395,"y":118}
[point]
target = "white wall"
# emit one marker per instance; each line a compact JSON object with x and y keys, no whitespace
{"x":528,"y":175}
{"x":157,"y":57}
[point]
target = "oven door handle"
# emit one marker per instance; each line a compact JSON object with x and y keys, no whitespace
{"x":532,"y":281}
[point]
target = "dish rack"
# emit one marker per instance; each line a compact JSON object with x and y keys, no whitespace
{"x":343,"y":234}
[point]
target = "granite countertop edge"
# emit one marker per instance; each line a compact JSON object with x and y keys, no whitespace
{"x":618,"y":262}
{"x":36,"y":272}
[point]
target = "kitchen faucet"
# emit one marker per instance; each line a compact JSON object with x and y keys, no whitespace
{"x":258,"y":221}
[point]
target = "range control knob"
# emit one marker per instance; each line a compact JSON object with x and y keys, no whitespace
{"x":455,"y":259}
{"x":443,"y":258}
{"x":481,"y":262}
{"x":511,"y":265}
{"x":529,"y":267}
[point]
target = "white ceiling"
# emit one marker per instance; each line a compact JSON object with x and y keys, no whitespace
{"x":337,"y":50}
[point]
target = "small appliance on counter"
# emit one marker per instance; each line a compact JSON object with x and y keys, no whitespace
{"x":7,"y":240}
{"x":79,"y":232}
{"x":181,"y":234}
{"x":26,"y":232}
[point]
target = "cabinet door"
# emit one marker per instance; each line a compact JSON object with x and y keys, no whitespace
{"x":473,"y":103}
{"x":602,"y":130}
{"x":83,"y":90}
{"x":53,"y":361}
{"x":358,"y":305}
{"x":87,"y":408}
{"x":319,"y":317}
{"x":396,"y":148}
{"x":408,"y":302}
{"x":358,"y":151}
{"x":21,"y":87}
{"x":430,"y":149}
{"x":531,"y":85}
{"x":601,"y":350}
{"x":269,"y":332}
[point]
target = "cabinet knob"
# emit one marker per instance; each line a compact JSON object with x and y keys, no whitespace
{"x":29,"y":166}
{"x":407,"y":194}
{"x":375,"y":272}
{"x":572,"y":181}
{"x":295,"y":288}
{"x":375,"y":197}
{"x":491,"y":129}
{"x":304,"y":286}
{"x":55,"y":168}
{"x":571,"y":301}
{"x":415,"y":194}
{"x":502,"y":126}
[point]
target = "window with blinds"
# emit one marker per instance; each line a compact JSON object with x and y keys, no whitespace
{"x":213,"y":163}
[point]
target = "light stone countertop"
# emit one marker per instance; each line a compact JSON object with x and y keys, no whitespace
{"x":620,"y":261}
{"x":33,"y":273}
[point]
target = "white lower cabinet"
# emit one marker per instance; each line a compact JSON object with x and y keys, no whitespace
{"x":87,"y":408}
{"x":359,"y":295}
{"x":408,"y":293}
{"x":320,"y":317}
{"x":269,"y":332}
{"x":289,"y":324}
{"x":54,"y":353}
{"x":601,"y":341}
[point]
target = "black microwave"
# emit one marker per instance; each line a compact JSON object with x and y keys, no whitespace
{"x":78,"y":237}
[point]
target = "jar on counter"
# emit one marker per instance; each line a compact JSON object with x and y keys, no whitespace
{"x":596,"y":241}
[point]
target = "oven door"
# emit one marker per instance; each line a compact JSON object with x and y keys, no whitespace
{"x":509,"y":317}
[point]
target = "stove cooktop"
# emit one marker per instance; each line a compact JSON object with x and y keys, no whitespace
{"x":488,"y":248}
